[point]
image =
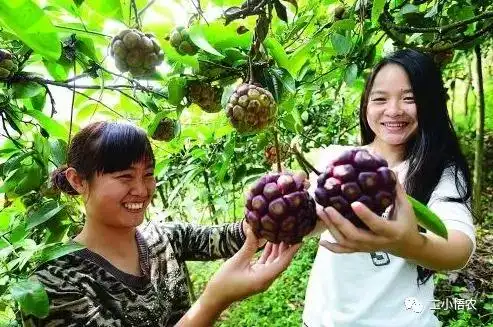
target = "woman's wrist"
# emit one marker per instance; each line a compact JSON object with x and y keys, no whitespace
{"x":212,"y":301}
{"x":413,"y":246}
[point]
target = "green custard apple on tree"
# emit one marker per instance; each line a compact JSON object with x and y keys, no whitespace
{"x":165,"y":130}
{"x":251,"y":108}
{"x":206,"y":96}
{"x":180,"y":40}
{"x":136,"y":52}
{"x":7,"y":64}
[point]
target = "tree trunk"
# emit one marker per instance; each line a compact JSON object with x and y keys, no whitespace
{"x":452,"y":100}
{"x":466,"y":94}
{"x":478,"y":153}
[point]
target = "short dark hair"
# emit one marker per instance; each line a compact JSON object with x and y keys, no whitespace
{"x":103,"y":147}
{"x":435,"y":146}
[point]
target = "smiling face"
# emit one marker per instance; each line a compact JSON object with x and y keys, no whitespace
{"x":391,"y":110}
{"x":119,"y":199}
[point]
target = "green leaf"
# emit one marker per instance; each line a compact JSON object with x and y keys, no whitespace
{"x":197,"y":36}
{"x":277,"y":52}
{"x":174,"y":57}
{"x":351,"y":74}
{"x":343,"y":25}
{"x":376,"y":11}
{"x":433,"y":11}
{"x":47,"y":211}
{"x":38,"y":102}
{"x":106,"y":8}
{"x":22,"y":180}
{"x":176,"y":90}
{"x":86,"y":46}
{"x":341,"y":44}
{"x":221,"y":37}
{"x":32,"y":27}
{"x":285,"y":78}
{"x":58,"y":151}
{"x":300,"y":56}
{"x":57,"y":71}
{"x":408,"y":9}
{"x":428,"y":219}
{"x":58,"y":250}
{"x":53,"y":127}
{"x":68,"y":5}
{"x":28,"y":89}
{"x":15,"y":161}
{"x":32,"y":297}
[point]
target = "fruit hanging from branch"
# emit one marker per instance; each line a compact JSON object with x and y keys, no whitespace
{"x":8,"y":67}
{"x":206,"y":96}
{"x":136,"y":52}
{"x":180,"y":40}
{"x":251,"y":108}
{"x":279,"y":209}
{"x":165,"y":130}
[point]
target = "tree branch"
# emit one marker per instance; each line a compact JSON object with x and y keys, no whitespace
{"x":386,"y":20}
{"x":117,"y":87}
{"x":83,"y":31}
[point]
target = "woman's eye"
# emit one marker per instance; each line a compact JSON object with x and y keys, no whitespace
{"x":378,"y":99}
{"x":126,"y":176}
{"x":409,"y":99}
{"x":150,"y":174}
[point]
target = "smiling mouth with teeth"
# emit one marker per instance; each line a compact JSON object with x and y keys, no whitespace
{"x":134,"y":206}
{"x":394,"y":124}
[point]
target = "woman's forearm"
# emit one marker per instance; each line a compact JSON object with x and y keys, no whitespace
{"x":203,"y":313}
{"x":436,"y":253}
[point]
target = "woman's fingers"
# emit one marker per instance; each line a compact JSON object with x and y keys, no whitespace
{"x":274,"y":253}
{"x":334,"y":247}
{"x":265,"y":253}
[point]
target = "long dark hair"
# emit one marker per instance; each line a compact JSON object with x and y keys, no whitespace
{"x":435,"y":146}
{"x":103,"y":147}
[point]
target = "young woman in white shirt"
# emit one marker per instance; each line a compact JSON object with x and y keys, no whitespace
{"x":383,"y":277}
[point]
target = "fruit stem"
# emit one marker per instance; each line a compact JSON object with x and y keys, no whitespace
{"x":303,"y":161}
{"x":278,"y":152}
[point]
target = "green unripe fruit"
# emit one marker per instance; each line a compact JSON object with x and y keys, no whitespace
{"x":136,"y":52}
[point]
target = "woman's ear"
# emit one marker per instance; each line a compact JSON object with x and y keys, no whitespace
{"x":77,"y":182}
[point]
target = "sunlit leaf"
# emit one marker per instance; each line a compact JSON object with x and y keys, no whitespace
{"x":377,"y":10}
{"x":32,"y":27}
{"x":52,"y":126}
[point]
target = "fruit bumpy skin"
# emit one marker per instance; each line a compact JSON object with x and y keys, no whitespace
{"x":279,"y":209}
{"x":136,"y":52}
{"x":7,"y":65}
{"x":206,"y":96}
{"x":251,"y":108}
{"x":180,"y":40}
{"x":356,"y":175}
{"x":165,"y":131}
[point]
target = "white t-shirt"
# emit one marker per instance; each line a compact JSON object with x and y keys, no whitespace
{"x":377,"y":289}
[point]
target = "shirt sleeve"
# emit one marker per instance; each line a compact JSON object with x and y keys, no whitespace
{"x":455,"y":215}
{"x":200,"y":243}
{"x":69,"y":307}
